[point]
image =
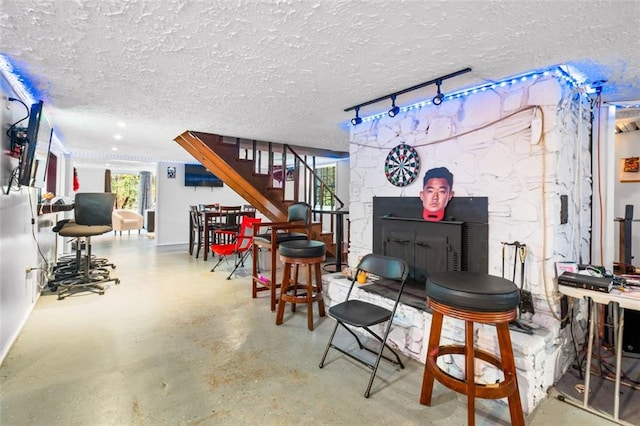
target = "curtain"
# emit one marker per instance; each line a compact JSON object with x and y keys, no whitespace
{"x":144,"y":192}
{"x":107,"y":180}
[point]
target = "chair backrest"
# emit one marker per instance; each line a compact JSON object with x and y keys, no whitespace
{"x":196,"y":220}
{"x":299,"y":212}
{"x":393,"y":273}
{"x":386,"y":267}
{"x":94,"y":208}
{"x":245,"y":236}
{"x":230,"y":217}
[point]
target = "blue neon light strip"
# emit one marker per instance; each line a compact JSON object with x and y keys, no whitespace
{"x":20,"y":77}
{"x":558,"y":71}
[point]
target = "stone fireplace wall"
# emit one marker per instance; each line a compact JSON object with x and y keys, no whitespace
{"x":523,"y":146}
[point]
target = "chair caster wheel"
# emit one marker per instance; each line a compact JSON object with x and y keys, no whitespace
{"x":117,"y":281}
{"x":53,"y":288}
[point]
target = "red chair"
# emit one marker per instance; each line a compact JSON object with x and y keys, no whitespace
{"x":236,"y":243}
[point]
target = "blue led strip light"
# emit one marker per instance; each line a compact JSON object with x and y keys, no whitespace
{"x":557,"y":71}
{"x":19,"y":79}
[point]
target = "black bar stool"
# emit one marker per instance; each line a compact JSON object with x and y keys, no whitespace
{"x":473,"y":298}
{"x":307,"y":253}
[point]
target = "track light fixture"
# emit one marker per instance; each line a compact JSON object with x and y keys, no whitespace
{"x":356,"y":120}
{"x":394,"y":109}
{"x":437,"y":99}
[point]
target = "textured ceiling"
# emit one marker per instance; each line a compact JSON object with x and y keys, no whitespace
{"x":285,"y":70}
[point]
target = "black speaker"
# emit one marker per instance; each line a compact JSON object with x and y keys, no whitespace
{"x":631,"y":333}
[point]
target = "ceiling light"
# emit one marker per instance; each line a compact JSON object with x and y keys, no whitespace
{"x":437,"y":99}
{"x":394,"y":109}
{"x":117,"y":136}
{"x":356,"y":120}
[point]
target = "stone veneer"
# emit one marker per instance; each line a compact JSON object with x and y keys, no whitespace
{"x":491,"y":143}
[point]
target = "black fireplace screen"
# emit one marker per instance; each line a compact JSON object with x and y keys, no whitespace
{"x":457,"y":243}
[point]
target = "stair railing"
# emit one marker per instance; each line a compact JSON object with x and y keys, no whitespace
{"x":296,"y":177}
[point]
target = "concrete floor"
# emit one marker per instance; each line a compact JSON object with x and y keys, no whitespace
{"x":175,"y":344}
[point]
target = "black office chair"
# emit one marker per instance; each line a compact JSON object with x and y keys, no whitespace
{"x":390,"y":273}
{"x":92,"y":216}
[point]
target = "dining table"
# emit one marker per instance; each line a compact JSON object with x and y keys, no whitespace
{"x":212,"y":217}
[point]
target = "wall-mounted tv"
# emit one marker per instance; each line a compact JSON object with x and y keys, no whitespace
{"x":35,"y":150}
{"x":198,"y":175}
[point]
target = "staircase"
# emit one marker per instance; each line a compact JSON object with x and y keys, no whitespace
{"x":268,"y":176}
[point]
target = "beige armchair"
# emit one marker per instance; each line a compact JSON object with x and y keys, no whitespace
{"x":126,"y":220}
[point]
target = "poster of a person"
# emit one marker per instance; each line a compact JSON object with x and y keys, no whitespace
{"x":437,"y":191}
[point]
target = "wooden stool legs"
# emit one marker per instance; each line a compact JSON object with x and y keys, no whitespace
{"x":432,"y":351}
{"x":312,"y":292}
{"x":507,"y":388}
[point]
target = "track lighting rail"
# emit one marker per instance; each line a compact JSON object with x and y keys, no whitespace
{"x":393,"y":95}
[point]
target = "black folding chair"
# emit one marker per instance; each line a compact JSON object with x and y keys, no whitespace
{"x":391,"y":273}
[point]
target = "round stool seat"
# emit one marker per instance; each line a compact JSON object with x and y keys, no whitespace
{"x":309,"y":254}
{"x":473,"y":291}
{"x":302,"y":249}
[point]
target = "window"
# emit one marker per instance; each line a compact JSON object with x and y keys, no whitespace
{"x":323,"y":196}
{"x":126,"y":189}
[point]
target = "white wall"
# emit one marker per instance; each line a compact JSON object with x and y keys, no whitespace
{"x":90,"y":179}
{"x":174,"y":199}
{"x":627,"y":145}
{"x":22,"y":234}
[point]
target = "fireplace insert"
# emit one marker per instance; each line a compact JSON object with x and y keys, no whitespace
{"x":457,"y":243}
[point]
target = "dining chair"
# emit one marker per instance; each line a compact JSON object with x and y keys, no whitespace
{"x":229,"y":220}
{"x":248,"y":208}
{"x":196,"y":231}
{"x":193,"y":228}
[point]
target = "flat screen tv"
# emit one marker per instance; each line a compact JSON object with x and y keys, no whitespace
{"x":35,"y":151}
{"x":198,"y":175}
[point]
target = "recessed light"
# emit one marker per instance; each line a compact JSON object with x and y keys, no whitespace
{"x":121,"y":124}
{"x":117,"y":136}
{"x":115,"y":148}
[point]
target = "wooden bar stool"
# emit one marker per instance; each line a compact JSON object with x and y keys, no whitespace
{"x":307,"y":253}
{"x":474,"y":298}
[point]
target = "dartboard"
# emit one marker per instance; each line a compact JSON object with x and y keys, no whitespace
{"x":402,"y":165}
